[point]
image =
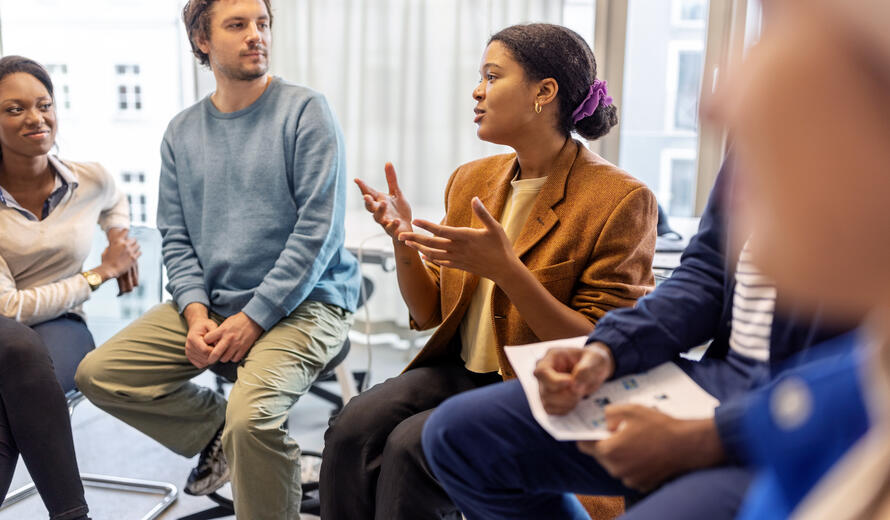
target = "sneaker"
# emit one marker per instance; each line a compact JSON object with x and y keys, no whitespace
{"x":212,"y":471}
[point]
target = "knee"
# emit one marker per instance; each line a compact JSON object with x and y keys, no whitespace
{"x":22,"y":349}
{"x":352,"y":426}
{"x":403,"y":445}
{"x":87,"y":375}
{"x":446,"y":430}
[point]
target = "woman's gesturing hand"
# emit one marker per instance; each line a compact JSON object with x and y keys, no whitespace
{"x":390,"y":210}
{"x":485,"y":252}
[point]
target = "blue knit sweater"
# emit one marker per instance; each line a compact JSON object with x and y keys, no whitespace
{"x":251,"y":206}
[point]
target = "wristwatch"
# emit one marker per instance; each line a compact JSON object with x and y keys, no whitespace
{"x":93,"y":278}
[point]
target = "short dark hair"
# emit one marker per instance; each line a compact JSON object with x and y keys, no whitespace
{"x":196,"y":16}
{"x":551,"y":51}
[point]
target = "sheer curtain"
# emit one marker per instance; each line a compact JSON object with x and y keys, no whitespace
{"x":399,"y":75}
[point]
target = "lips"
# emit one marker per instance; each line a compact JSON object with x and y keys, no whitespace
{"x":38,"y":133}
{"x":479,"y":114}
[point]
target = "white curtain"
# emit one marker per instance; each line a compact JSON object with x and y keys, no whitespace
{"x":399,"y":75}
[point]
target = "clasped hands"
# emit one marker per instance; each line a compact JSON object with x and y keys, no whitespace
{"x":207,"y":343}
{"x":646,"y":447}
{"x":484,"y":251}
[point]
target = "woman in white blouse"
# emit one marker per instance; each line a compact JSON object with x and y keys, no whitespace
{"x":48,"y":213}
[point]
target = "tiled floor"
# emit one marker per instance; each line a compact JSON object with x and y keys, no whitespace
{"x":107,"y":446}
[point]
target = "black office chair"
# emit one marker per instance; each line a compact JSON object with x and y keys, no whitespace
{"x":227,"y":373}
{"x":169,"y":493}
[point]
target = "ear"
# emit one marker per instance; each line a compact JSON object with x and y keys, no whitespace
{"x":202,"y":44}
{"x":547,"y":89}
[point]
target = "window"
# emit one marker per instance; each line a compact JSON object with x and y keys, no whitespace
{"x":134,"y":185}
{"x":660,"y":97}
{"x":59,"y":75}
{"x":689,"y":13}
{"x":683,"y":85}
{"x":129,"y":91}
{"x":676,"y":186}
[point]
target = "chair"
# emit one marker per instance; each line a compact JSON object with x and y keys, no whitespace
{"x":169,"y":493}
{"x":227,"y":373}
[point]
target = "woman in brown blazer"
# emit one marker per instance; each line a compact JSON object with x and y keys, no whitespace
{"x":535,"y":245}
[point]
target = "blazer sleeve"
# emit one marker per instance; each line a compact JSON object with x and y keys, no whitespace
{"x":435,"y":272}
{"x":620,"y":268}
{"x":685,"y":310}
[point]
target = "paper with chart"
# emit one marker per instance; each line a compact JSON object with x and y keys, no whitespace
{"x":665,"y":387}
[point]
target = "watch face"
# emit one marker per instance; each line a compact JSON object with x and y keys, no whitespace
{"x":94,"y":279}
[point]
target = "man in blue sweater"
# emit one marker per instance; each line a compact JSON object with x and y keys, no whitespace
{"x":251,"y":210}
{"x":496,"y":462}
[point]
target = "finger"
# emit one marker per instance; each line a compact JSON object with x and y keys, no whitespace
{"x":371,"y":203}
{"x":434,"y":242}
{"x":437,"y":254}
{"x":587,"y":373}
{"x":617,"y":415}
{"x":391,"y":180}
{"x":239,"y":355}
{"x":367,"y":190}
{"x":439,"y":229}
{"x":586,"y":447}
{"x":212,"y":335}
{"x":484,"y":216}
{"x":218,"y":351}
{"x":379,"y":213}
{"x":228,"y":355}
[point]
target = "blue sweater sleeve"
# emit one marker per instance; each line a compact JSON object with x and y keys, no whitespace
{"x":319,"y":190}
{"x":186,"y":277}
{"x":685,"y":310}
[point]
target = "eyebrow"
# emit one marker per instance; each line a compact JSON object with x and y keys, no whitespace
{"x":19,"y":101}
{"x":241,"y":18}
{"x":490,"y":64}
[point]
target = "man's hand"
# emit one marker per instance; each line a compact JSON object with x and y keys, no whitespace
{"x":197,"y":351}
{"x":233,"y":338}
{"x":648,"y":447}
{"x":565,"y":375}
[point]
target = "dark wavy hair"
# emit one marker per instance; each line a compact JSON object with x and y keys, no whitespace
{"x":14,"y":64}
{"x":196,"y":16}
{"x":552,"y":51}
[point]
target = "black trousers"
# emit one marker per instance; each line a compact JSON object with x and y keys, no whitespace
{"x":34,"y":422}
{"x":373,"y":464}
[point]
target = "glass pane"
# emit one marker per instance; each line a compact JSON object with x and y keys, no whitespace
{"x":662,"y":84}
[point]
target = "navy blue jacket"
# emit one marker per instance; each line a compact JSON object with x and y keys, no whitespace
{"x":694,"y":306}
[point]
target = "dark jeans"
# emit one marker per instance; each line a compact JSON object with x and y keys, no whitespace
{"x":373,"y":464}
{"x":34,"y":420}
{"x":496,"y":462}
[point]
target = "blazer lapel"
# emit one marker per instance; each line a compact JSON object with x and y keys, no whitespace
{"x":542,"y":217}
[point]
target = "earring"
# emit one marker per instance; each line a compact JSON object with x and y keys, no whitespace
{"x":537,"y":108}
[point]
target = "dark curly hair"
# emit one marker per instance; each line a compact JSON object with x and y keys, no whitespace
{"x":196,"y":16}
{"x":551,"y":51}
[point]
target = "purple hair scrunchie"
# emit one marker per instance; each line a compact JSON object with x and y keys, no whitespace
{"x":595,"y":95}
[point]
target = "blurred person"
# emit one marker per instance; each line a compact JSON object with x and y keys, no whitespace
{"x":49,"y":209}
{"x":538,"y":244}
{"x":816,"y":148}
{"x":251,"y":209}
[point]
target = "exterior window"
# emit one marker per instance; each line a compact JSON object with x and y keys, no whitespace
{"x":129,"y":90}
{"x":59,"y":74}
{"x":689,"y":13}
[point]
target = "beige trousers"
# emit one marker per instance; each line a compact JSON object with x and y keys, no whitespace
{"x":142,"y":377}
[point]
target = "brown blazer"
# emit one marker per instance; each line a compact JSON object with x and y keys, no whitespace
{"x":589,"y":239}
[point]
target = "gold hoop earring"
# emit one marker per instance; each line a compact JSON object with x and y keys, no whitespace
{"x":537,"y":108}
